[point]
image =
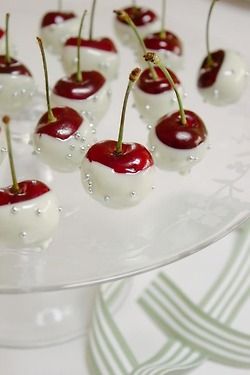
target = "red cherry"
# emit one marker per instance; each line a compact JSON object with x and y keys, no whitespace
{"x":173,"y":133}
{"x":54,"y":18}
{"x":14,"y":67}
{"x":134,"y":157}
{"x":170,"y":42}
{"x":67,"y":123}
{"x":151,"y":86}
{"x":71,"y":88}
{"x":1,"y":33}
{"x":104,"y":44}
{"x":140,"y":16}
{"x":29,"y":189}
{"x":209,"y":71}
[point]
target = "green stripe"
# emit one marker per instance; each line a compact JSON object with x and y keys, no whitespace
{"x":118,"y":336}
{"x":195,"y":347}
{"x":91,"y":362}
{"x":108,"y":343}
{"x":237,"y":307}
{"x":215,"y":323}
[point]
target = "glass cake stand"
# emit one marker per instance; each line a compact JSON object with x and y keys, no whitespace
{"x":46,"y":296}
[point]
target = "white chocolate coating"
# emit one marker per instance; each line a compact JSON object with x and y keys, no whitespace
{"x":55,"y":35}
{"x":30,"y":223}
{"x":230,"y":83}
{"x":91,"y":59}
{"x":2,"y":145}
{"x":16,"y":92}
{"x":116,"y":190}
{"x":169,"y":59}
{"x":94,"y":107}
{"x":64,"y":155}
{"x":126,"y":34}
{"x":172,"y":159}
{"x":153,"y":106}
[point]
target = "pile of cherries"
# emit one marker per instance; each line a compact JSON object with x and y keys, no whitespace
{"x":115,"y":173}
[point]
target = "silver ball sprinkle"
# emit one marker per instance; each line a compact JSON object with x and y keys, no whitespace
{"x":82,"y":148}
{"x":22,"y":234}
{"x":77,"y":135}
{"x":59,"y":209}
{"x":38,"y":212}
{"x":147,"y":107}
{"x":3,"y":149}
{"x":193,"y":158}
{"x":149,"y":127}
{"x":72,"y":147}
{"x":107,"y":198}
{"x":14,"y":210}
{"x":132,"y":194}
{"x":68,"y":156}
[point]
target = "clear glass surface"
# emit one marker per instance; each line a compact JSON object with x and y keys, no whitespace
{"x":183,"y":214}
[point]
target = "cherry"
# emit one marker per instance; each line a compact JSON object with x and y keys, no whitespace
{"x":56,"y":18}
{"x":1,"y":32}
{"x":209,"y":72}
{"x":27,"y":190}
{"x":62,"y":135}
{"x":79,"y":88}
{"x":173,"y":133}
{"x":96,"y":53}
{"x":139,"y":15}
{"x":178,"y":138}
{"x":118,"y":173}
{"x":15,"y":79}
{"x":133,"y":157}
{"x":151,"y":86}
{"x":168,"y":42}
{"x":222,"y":76}
{"x":28,"y":209}
{"x":71,"y":88}
{"x":67,"y":123}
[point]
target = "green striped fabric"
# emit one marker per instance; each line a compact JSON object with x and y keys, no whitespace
{"x":193,"y":332}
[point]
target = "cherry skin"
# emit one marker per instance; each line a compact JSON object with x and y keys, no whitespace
{"x":171,"y":132}
{"x":209,"y":72}
{"x":140,"y":16}
{"x":67,"y":123}
{"x":13,"y":67}
{"x":2,"y":32}
{"x":90,"y":95}
{"x":133,"y":159}
{"x":55,"y":18}
{"x":29,"y":189}
{"x":69,"y":87}
{"x":104,"y":44}
{"x":178,"y":147}
{"x":170,"y":42}
{"x":151,"y":86}
{"x":154,"y":97}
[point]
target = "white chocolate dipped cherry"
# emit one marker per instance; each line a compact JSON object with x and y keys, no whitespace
{"x":118,"y":174}
{"x":222,"y":77}
{"x":145,"y":20}
{"x":179,"y":139}
{"x":29,"y":212}
{"x":17,"y":85}
{"x":165,"y":43}
{"x":56,"y":27}
{"x":86,"y":91}
{"x":62,"y":136}
{"x":153,"y":93}
{"x":96,"y":53}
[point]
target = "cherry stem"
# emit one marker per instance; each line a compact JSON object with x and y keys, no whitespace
{"x":209,"y":56}
{"x":51,"y":117}
{"x":15,"y":186}
{"x":163,"y":20}
{"x":134,"y":75}
{"x":125,"y":17}
{"x":151,"y":56}
{"x":59,"y":5}
{"x":92,"y":20}
{"x":7,"y":51}
{"x":79,"y":73}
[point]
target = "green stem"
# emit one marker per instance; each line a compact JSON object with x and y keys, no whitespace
{"x":51,"y":117}
{"x":134,"y":75}
{"x":151,"y":56}
{"x":124,"y":16}
{"x":7,"y":51}
{"x":163,"y":20}
{"x":92,"y":19}
{"x":209,"y":56}
{"x":78,"y":72}
{"x":59,"y":5}
{"x":15,"y":186}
